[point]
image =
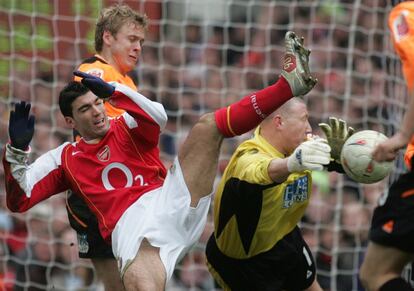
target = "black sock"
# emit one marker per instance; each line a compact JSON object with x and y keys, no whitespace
{"x":396,"y":284}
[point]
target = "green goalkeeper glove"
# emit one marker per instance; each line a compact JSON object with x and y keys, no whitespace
{"x":336,"y":132}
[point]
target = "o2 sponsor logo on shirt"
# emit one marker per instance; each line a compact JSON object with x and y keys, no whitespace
{"x":126,"y":171}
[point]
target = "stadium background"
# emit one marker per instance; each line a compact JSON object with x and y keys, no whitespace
{"x":198,"y":56}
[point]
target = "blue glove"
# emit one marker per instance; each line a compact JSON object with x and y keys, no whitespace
{"x":21,"y":126}
{"x":98,"y":86}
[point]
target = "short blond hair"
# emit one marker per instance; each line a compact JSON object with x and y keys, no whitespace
{"x":113,"y":18}
{"x":285,"y":109}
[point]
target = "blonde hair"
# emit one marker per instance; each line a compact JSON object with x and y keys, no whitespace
{"x":112,"y":18}
{"x":286,"y":108}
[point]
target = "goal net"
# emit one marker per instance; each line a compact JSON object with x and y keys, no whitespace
{"x":199,"y":56}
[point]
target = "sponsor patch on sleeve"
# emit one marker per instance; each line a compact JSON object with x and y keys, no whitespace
{"x":96,"y":72}
{"x":400,"y":26}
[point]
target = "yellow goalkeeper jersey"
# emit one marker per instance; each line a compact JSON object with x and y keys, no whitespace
{"x":251,"y":212}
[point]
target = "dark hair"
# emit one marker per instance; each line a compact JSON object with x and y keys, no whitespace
{"x":396,"y":2}
{"x":111,"y":19}
{"x":69,"y":94}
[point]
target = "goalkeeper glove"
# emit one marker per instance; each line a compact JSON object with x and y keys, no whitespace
{"x":98,"y":86}
{"x":336,"y":132}
{"x":21,"y":126}
{"x":310,"y":155}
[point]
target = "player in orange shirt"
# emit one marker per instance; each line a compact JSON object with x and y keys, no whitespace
{"x":400,"y":23}
{"x":391,"y":245}
{"x":98,"y":66}
{"x":119,"y":35}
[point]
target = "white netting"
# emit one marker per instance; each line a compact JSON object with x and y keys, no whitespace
{"x":199,"y":56}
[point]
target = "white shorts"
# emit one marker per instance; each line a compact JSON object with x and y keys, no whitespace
{"x":165,"y":218}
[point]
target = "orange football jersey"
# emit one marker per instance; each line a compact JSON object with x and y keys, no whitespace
{"x":401,"y":23}
{"x":97,"y":66}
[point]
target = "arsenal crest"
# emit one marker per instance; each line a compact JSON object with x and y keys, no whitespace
{"x":104,"y":154}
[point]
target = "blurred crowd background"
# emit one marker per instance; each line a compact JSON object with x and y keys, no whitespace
{"x":199,"y":56}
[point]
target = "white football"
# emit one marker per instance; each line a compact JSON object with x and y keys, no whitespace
{"x":357,"y":161}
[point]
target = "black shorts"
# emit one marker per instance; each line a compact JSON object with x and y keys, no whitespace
{"x":289,"y":265}
{"x":393,"y":222}
{"x":83,"y":221}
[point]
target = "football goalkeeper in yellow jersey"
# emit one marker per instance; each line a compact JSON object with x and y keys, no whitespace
{"x":263,"y":194}
{"x":391,"y":245}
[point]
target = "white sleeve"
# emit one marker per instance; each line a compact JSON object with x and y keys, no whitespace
{"x":28,"y":175}
{"x":154,"y":109}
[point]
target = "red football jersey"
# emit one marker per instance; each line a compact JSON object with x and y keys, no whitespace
{"x":109,"y":175}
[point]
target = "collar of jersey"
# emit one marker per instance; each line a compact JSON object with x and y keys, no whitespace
{"x":266,"y":145}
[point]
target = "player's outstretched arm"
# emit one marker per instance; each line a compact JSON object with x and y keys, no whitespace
{"x":398,"y":22}
{"x":388,"y":150}
{"x":26,"y":186}
{"x":121,"y":96}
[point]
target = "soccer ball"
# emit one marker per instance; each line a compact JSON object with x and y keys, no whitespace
{"x":356,"y":157}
